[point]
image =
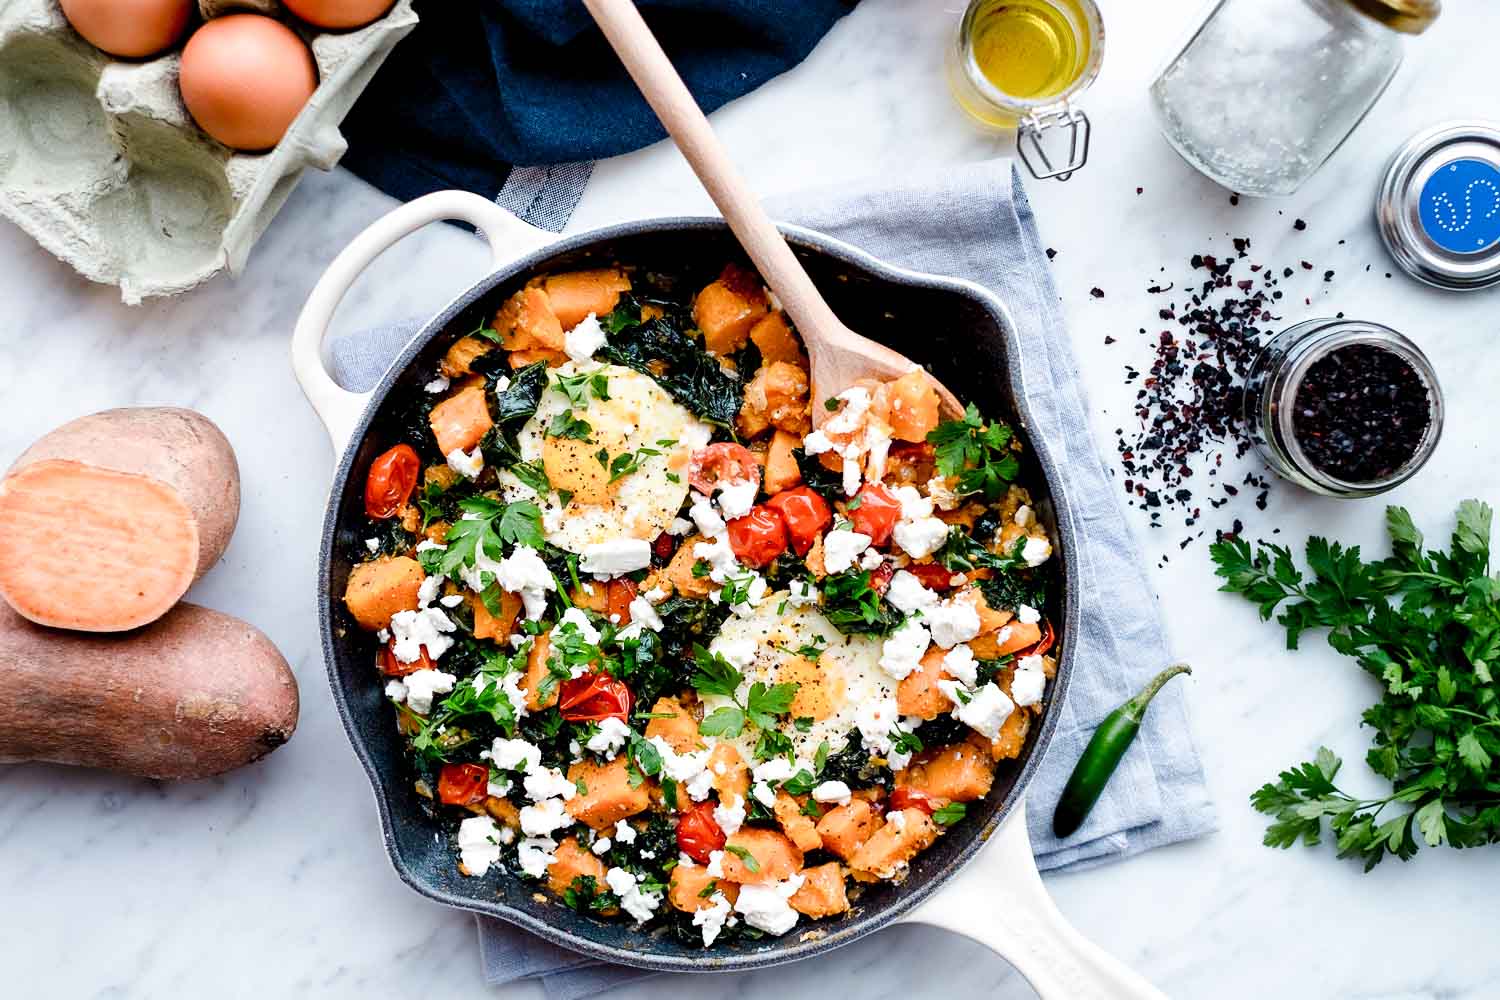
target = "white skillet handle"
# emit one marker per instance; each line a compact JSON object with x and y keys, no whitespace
{"x":338,"y":408}
{"x":999,"y":901}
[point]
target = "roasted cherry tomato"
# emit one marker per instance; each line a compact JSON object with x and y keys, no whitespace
{"x":1046,"y":642}
{"x":392,"y":478}
{"x":664,"y":546}
{"x":880,"y":577}
{"x":876,"y":513}
{"x":698,"y":833}
{"x":724,"y":462}
{"x":806,"y":515}
{"x":617,"y":597}
{"x":934,"y":576}
{"x":759,"y":536}
{"x":463,"y":784}
{"x":909,"y":798}
{"x":593,"y":697}
{"x":392,"y":667}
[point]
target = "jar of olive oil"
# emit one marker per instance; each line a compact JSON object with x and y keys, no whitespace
{"x":1021,"y":64}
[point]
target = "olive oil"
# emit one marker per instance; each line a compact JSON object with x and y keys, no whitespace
{"x":1029,"y":48}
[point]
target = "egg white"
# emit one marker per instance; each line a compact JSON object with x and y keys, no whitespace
{"x":638,"y":414}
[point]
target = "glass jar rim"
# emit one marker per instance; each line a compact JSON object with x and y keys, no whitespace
{"x":1092,"y":28}
{"x":1411,"y":17}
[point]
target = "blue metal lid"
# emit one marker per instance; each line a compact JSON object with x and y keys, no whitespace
{"x":1439,"y":206}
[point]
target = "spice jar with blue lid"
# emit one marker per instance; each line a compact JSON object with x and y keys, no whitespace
{"x":1344,"y":408}
{"x":1439,"y":206}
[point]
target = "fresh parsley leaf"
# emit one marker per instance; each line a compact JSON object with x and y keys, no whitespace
{"x":566,"y":425}
{"x":726,"y":721}
{"x":977,"y":453}
{"x":949,"y":814}
{"x":714,"y":674}
{"x":851,"y":605}
{"x":765,"y":703}
{"x":743,"y":853}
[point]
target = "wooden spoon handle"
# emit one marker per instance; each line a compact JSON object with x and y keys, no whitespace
{"x":669,"y":97}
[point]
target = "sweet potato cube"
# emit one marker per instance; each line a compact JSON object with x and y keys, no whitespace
{"x":576,"y":294}
{"x":779,"y":390}
{"x":753,"y":421}
{"x":799,"y":828}
{"x":680,"y":570}
{"x":776,"y":857}
{"x":959,"y":772}
{"x":727,"y":309}
{"x":918,"y":693}
{"x":540,"y":693}
{"x":498,"y":627}
{"x":610,"y":797}
{"x":674,"y":724}
{"x":573,"y":861}
{"x":781,"y":465}
{"x":911,"y":405}
{"x":822,"y":892}
{"x":456,"y":363}
{"x":690,"y":890}
{"x":774,"y":339}
{"x":845,"y":828}
{"x":526,"y":322}
{"x":1012,"y":738}
{"x":380,"y":588}
{"x":459,"y":421}
{"x":891,"y":847}
{"x":731,"y":776}
{"x":520,"y":359}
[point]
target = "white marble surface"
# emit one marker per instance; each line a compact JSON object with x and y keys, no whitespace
{"x":272,"y":881}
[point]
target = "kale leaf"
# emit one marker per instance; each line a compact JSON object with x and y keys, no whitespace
{"x":660,"y":348}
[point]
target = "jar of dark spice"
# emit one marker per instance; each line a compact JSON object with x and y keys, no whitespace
{"x":1344,"y":408}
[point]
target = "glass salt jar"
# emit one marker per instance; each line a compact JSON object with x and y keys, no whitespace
{"x":1264,"y":91}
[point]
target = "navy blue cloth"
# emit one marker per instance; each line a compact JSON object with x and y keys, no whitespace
{"x":480,"y":85}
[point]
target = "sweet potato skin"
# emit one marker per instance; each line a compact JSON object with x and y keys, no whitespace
{"x":194,"y":694}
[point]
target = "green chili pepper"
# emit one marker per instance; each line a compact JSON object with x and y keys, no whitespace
{"x":1102,"y":755}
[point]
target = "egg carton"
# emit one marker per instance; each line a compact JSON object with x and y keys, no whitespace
{"x":102,"y":165}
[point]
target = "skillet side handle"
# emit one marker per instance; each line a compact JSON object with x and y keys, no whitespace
{"x":1000,"y":902}
{"x":337,"y":407}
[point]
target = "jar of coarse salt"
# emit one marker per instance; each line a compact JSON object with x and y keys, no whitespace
{"x":1264,"y":91}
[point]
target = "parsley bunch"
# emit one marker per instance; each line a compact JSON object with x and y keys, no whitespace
{"x":1426,"y":625}
{"x":978,"y":453}
{"x":762,"y":705}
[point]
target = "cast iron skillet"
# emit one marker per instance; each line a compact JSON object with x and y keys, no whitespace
{"x":966,"y":336}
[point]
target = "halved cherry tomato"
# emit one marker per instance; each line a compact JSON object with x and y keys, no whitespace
{"x":699,"y":834}
{"x":880,"y":577}
{"x":618,"y":594}
{"x":593,"y":697}
{"x":934,"y":576}
{"x":463,"y":784}
{"x":392,"y":478}
{"x":1046,"y":642}
{"x":664,"y":546}
{"x":909,"y":798}
{"x":759,"y":536}
{"x":876,"y":513}
{"x":725,"y":462}
{"x":392,"y":667}
{"x":806,"y":515}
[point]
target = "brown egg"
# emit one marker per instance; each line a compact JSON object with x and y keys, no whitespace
{"x":338,"y":14}
{"x":244,"y":78}
{"x":129,"y":28}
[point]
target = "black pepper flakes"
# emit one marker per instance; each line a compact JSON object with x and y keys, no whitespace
{"x":1097,"y":293}
{"x":1299,"y":225}
{"x":1360,"y":413}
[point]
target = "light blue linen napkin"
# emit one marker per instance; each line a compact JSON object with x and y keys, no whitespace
{"x":974,"y":222}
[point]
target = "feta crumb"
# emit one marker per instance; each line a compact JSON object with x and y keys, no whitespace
{"x":712,"y":918}
{"x":422,"y":685}
{"x":373,"y":544}
{"x":736,"y":498}
{"x":655,"y":595}
{"x":710,"y":524}
{"x":1023,"y":516}
{"x":429,"y":588}
{"x":412,"y":630}
{"x":395,"y":690}
{"x":904,"y":648}
{"x":764,"y":906}
{"x":817,"y":443}
{"x":775,"y":770}
{"x":579,"y":619}
{"x":1036,"y":551}
{"x":616,"y":556}
{"x":738,"y":653}
{"x":764,"y":794}
{"x":643,"y":614}
{"x":548,"y":783}
{"x":478,"y":844}
{"x":715,"y":867}
{"x":874,"y":719}
{"x":624,"y":832}
{"x":514,"y":755}
{"x":1029,"y":681}
{"x":871,"y":559}
{"x":437,"y":385}
{"x":541,"y":819}
{"x":451,"y":601}
{"x":585,"y":339}
{"x":986,"y":711}
{"x":841,"y":548}
{"x":959,"y":663}
{"x":523,"y":572}
{"x":468,"y":464}
{"x":699,"y":785}
{"x":719,"y":555}
{"x":952,"y":622}
{"x":801,"y":593}
{"x":907,"y":593}
{"x":833,"y":791}
{"x":601,"y":846}
{"x":610,"y":738}
{"x":921,"y":538}
{"x":535,"y":854}
{"x":732,"y":816}
{"x":640,"y":905}
{"x":679,"y":526}
{"x":914,"y":506}
{"x":1027,"y":615}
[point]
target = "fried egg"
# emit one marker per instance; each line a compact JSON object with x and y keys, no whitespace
{"x":836,"y":674}
{"x":637,"y":419}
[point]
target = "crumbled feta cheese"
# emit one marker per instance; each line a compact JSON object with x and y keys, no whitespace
{"x":610,"y":738}
{"x":428,"y":545}
{"x":679,"y":526}
{"x":643,"y":614}
{"x":851,"y":415}
{"x":437,"y":385}
{"x":732,"y":816}
{"x":801,"y":593}
{"x":699,"y":785}
{"x":959,"y":663}
{"x":373,"y":544}
{"x":1027,"y":615}
{"x":1029,"y":681}
{"x":715,"y":867}
{"x":738,"y":653}
{"x":383,"y":636}
{"x":395,"y":690}
{"x":541,"y":819}
{"x":579,"y":619}
{"x":523,"y":572}
{"x":952,"y":622}
{"x":942,"y":495}
{"x":499,"y":789}
{"x":624,"y":832}
{"x":775,"y":770}
{"x":764,"y":906}
{"x":712,"y":918}
{"x":986,"y":711}
{"x":710,"y":524}
{"x":1036,"y":551}
{"x":1023,"y":516}
{"x":655,"y":595}
{"x":736,"y":498}
{"x":874,"y":719}
{"x":581,"y":342}
{"x":616,"y":557}
{"x":640,"y":905}
{"x":914,"y":506}
{"x":719,"y":555}
{"x":851,"y":473}
{"x":904,"y":648}
{"x":451,"y":601}
{"x":601,"y":846}
{"x":922,"y":537}
{"x":841,"y":548}
{"x":412,"y":630}
{"x":468,"y":464}
{"x":871,"y":559}
{"x":764,"y":794}
{"x":535,"y":854}
{"x":422,"y":685}
{"x":680,"y":767}
{"x":754,"y":587}
{"x":896,"y":819}
{"x":478,"y":844}
{"x":832,"y":791}
{"x":817,"y":443}
{"x":547,"y":783}
{"x":514,"y":755}
{"x":429,"y":588}
{"x":907,"y":593}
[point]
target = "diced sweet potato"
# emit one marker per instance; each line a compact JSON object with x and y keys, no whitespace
{"x":891,"y":847}
{"x":781,"y":465}
{"x":456,"y":363}
{"x":503,"y":811}
{"x":674,"y":724}
{"x":690,"y":889}
{"x":537,"y":673}
{"x":989,"y":618}
{"x":610,"y":598}
{"x":774,"y":339}
{"x":573,"y":296}
{"x":680,"y":570}
{"x":727,"y":309}
{"x":918,"y":693}
{"x":459,"y":421}
{"x":845,"y":828}
{"x":797,"y":825}
{"x":776,"y":857}
{"x":822,"y":892}
{"x":731,"y":776}
{"x":488,"y":626}
{"x":573,"y":862}
{"x":526,"y":322}
{"x":1010,"y":638}
{"x":753,"y":421}
{"x":958,"y":772}
{"x":610,"y":797}
{"x":380,"y":588}
{"x":1012,"y":739}
{"x":911,"y":406}
{"x":814,"y":559}
{"x":520,"y":359}
{"x":779,"y":390}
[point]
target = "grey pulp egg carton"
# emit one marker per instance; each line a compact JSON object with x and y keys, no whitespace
{"x":102,"y":165}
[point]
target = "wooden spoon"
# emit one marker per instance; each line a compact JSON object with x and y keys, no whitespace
{"x":840,"y":357}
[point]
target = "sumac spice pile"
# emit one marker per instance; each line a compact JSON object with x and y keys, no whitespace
{"x":1360,"y":413}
